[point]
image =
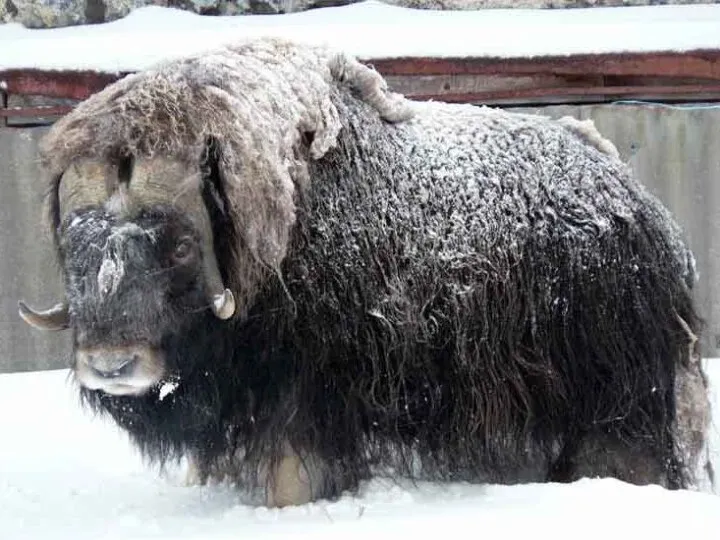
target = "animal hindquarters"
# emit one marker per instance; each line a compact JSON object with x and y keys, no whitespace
{"x":686,"y":465}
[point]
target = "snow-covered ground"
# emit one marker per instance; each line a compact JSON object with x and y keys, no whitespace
{"x":369,"y":30}
{"x":67,"y":475}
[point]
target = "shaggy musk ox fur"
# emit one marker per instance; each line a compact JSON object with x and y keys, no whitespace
{"x":430,"y":290}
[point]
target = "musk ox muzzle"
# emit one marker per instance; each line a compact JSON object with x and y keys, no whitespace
{"x":122,"y":371}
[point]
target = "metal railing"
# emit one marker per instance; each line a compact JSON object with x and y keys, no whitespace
{"x":670,"y":77}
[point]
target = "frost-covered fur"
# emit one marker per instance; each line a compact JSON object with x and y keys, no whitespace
{"x":257,"y":101}
{"x":441,"y":291}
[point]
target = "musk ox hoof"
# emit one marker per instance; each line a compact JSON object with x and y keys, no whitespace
{"x":193,"y":474}
{"x":290,"y":484}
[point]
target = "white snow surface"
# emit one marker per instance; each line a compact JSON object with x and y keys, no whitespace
{"x":369,"y":30}
{"x":67,"y":475}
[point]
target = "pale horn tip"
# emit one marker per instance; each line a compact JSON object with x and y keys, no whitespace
{"x":224,"y":305}
{"x":53,"y":320}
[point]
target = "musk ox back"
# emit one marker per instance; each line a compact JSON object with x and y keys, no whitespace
{"x":296,"y":279}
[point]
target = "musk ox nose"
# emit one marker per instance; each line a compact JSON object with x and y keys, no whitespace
{"x":129,"y":370}
{"x":110,"y":366}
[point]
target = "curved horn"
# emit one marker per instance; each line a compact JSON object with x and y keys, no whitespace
{"x":223,"y":300}
{"x":54,"y":319}
{"x":161,"y":180}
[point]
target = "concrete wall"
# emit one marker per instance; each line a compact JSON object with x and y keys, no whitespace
{"x":676,"y":153}
{"x":27,"y":269}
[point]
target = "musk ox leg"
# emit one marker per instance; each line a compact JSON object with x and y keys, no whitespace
{"x":291,"y":480}
{"x":294,"y":480}
{"x":605,"y":456}
{"x":195,"y":475}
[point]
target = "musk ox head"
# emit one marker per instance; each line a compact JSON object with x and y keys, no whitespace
{"x":173,"y":197}
{"x":135,"y":241}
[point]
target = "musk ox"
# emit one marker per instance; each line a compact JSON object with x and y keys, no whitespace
{"x":295,"y":278}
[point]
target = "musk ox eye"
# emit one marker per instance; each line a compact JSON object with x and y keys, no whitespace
{"x":183,"y":250}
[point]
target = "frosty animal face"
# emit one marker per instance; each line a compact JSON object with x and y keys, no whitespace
{"x":135,"y":244}
{"x":130,"y":286}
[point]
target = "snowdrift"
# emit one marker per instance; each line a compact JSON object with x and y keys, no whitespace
{"x":67,"y":475}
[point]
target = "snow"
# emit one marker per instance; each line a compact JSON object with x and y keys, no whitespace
{"x":167,"y":388}
{"x":369,"y":30}
{"x":67,"y":475}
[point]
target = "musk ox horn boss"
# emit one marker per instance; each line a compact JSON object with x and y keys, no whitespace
{"x":294,"y":278}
